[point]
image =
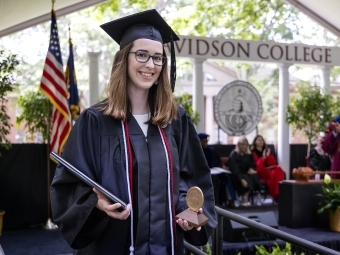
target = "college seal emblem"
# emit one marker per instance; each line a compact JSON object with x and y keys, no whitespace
{"x":238,"y":108}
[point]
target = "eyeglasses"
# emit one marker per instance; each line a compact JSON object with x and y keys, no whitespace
{"x":144,"y":57}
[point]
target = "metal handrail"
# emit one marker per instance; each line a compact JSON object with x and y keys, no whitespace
{"x":217,"y":246}
{"x":192,"y":248}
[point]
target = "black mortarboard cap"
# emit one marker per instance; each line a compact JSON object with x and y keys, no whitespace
{"x":202,"y":135}
{"x":144,"y":25}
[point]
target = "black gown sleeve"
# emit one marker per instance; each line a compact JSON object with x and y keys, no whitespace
{"x":251,"y":163}
{"x":194,"y":171}
{"x":216,"y":157}
{"x":314,"y":159}
{"x":73,"y":202}
{"x":234,"y":165}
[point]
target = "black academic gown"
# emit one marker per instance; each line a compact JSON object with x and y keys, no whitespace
{"x":239,"y":166}
{"x":319,"y":162}
{"x":96,"y":147}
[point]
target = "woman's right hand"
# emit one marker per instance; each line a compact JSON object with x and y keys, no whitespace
{"x":105,"y":205}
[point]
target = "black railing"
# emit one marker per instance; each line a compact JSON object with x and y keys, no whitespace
{"x":190,"y":248}
{"x":217,"y":241}
{"x":217,"y":246}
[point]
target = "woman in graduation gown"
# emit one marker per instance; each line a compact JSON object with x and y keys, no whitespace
{"x":140,"y":146}
{"x":243,"y":167}
{"x":267,"y":167}
{"x":318,"y":159}
{"x":331,"y":145}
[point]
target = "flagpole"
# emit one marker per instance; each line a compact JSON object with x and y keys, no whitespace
{"x":49,"y":224}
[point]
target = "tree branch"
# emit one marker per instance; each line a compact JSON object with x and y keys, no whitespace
{"x":272,"y":22}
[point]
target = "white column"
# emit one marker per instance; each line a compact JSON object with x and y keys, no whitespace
{"x":325,"y":82}
{"x":209,"y":124}
{"x":198,"y":97}
{"x":283,"y":147}
{"x":93,"y":77}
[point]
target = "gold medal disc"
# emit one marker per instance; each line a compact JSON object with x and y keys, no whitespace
{"x":195,"y":198}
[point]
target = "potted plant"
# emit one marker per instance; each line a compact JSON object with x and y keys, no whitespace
{"x":331,"y":202}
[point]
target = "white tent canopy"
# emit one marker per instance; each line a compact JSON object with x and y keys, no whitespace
{"x":324,"y":12}
{"x":16,"y":15}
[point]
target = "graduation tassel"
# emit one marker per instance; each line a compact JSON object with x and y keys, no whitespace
{"x":172,"y":65}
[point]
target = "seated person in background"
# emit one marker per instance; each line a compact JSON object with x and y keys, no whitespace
{"x":266,"y":166}
{"x":220,"y":181}
{"x":331,"y":145}
{"x":318,"y":159}
{"x":242,"y":165}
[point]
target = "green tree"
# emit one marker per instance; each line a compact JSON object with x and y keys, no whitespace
{"x":185,"y":101}
{"x":336,"y":105}
{"x":309,"y":111}
{"x":238,"y":19}
{"x":8,"y":63}
{"x":35,"y":114}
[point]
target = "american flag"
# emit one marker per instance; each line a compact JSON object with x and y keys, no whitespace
{"x":53,"y":85}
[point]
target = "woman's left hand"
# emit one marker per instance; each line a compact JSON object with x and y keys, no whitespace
{"x":185,"y":225}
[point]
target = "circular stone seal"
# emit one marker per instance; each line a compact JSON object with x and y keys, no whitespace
{"x":238,"y":108}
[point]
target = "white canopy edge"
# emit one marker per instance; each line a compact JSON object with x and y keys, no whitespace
{"x":317,"y":17}
{"x":47,"y":16}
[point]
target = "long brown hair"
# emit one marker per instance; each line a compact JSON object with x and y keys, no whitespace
{"x":162,"y":103}
{"x":253,"y":146}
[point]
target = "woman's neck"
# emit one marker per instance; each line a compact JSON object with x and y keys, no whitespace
{"x":259,"y":148}
{"x":139,"y":102}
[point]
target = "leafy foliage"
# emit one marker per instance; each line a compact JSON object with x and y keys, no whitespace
{"x":330,"y":195}
{"x":35,"y":113}
{"x":336,"y":106}
{"x":8,"y":63}
{"x":184,"y":100}
{"x":310,"y":111}
{"x":276,"y":250}
{"x":206,"y":249}
{"x":240,"y":19}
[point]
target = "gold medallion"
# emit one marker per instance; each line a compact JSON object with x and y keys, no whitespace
{"x":195,"y":198}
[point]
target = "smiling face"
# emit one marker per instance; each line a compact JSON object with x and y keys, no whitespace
{"x":141,"y":76}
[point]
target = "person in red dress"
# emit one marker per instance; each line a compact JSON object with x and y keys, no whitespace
{"x":266,"y":166}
